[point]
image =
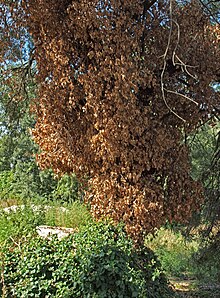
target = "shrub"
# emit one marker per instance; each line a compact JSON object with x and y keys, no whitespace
{"x":99,"y":261}
{"x":26,"y":181}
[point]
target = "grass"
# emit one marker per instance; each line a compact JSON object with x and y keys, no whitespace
{"x":192,"y":267}
{"x":174,"y":251}
{"x":73,"y":216}
{"x":24,"y":220}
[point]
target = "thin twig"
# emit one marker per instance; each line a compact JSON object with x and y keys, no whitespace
{"x":180,"y":94}
{"x":14,"y":241}
{"x":182,"y":64}
{"x":165,"y":64}
{"x":177,"y":43}
{"x":185,"y":67}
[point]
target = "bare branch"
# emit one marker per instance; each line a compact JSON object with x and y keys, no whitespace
{"x":177,"y":43}
{"x":164,"y":67}
{"x":184,"y":66}
{"x":180,"y":94}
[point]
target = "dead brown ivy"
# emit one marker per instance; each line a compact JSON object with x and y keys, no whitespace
{"x":120,"y":84}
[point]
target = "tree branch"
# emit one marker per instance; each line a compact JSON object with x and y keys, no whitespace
{"x":147,"y":5}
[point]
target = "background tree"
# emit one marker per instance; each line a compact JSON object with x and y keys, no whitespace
{"x":204,"y":146}
{"x":120,"y":85}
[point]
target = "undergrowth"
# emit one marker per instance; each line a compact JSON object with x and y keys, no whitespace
{"x":23,"y":220}
{"x":97,"y":262}
{"x":174,"y":251}
{"x":182,"y":257}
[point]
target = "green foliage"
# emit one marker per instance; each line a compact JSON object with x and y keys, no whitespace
{"x":205,"y":148}
{"x":173,"y":250}
{"x":6,"y":181}
{"x":20,"y":183}
{"x":27,"y":181}
{"x":75,"y":216}
{"x":187,"y":257}
{"x":23,"y":221}
{"x":20,"y":223}
{"x":66,"y":189}
{"x":202,"y":146}
{"x":99,"y":261}
{"x":207,"y":262}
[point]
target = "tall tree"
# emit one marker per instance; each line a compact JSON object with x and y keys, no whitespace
{"x":121,"y":84}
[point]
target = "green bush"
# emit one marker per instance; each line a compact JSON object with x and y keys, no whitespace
{"x":99,"y":261}
{"x":27,"y":181}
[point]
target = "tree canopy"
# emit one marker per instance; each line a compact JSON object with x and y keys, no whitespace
{"x":121,"y":84}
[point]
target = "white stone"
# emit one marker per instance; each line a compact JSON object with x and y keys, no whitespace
{"x":14,"y":208}
{"x":47,"y":231}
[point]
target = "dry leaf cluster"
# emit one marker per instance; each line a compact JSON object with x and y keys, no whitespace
{"x":121,"y":83}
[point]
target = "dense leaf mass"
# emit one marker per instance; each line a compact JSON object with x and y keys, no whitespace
{"x":121,"y":83}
